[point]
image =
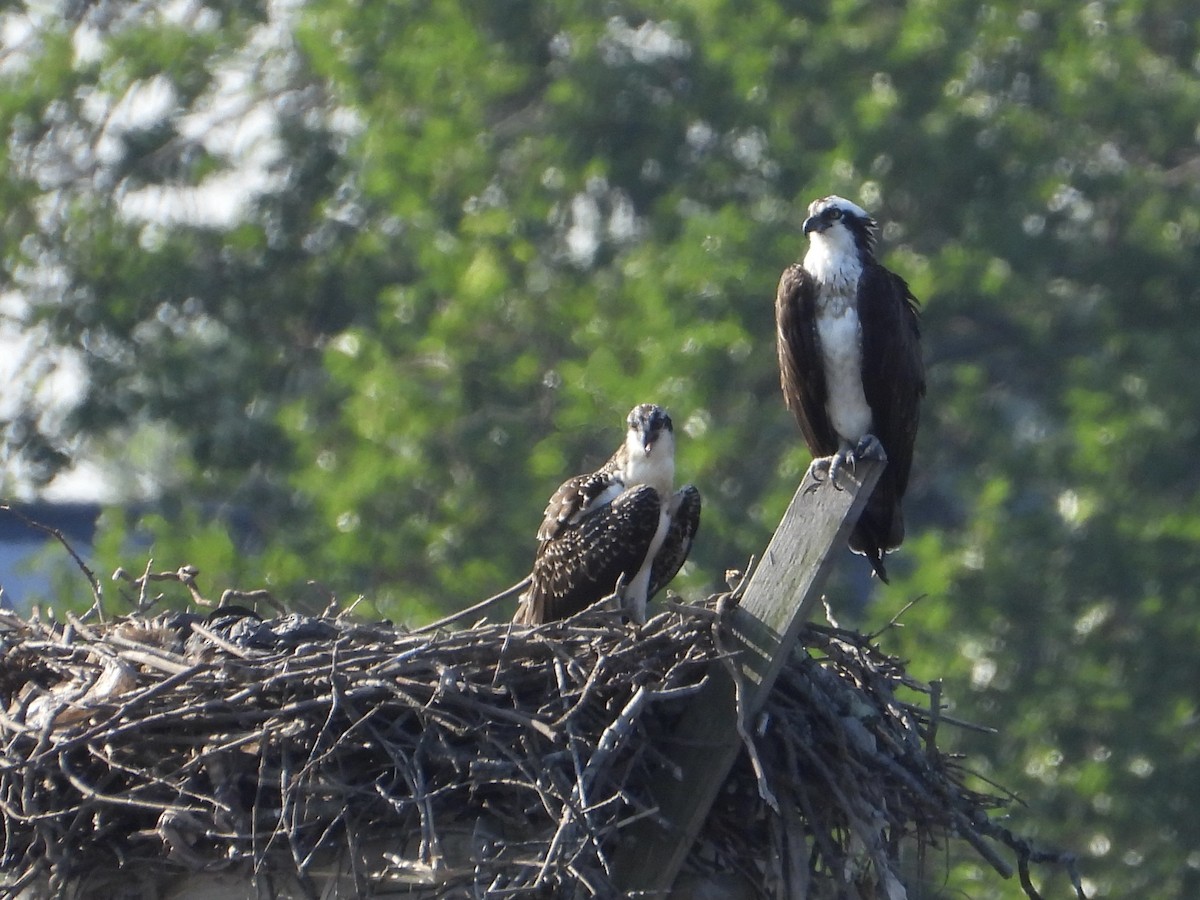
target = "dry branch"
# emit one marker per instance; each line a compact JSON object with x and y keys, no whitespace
{"x":494,"y":761}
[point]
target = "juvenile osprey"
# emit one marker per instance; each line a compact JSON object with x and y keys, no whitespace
{"x":621,"y":520}
{"x":850,"y":363}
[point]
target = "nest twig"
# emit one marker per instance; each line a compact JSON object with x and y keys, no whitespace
{"x":498,"y":760}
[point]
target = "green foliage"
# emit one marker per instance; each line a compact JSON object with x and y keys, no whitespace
{"x":484,"y":229}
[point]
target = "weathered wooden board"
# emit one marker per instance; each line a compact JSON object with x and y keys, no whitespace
{"x":780,"y":598}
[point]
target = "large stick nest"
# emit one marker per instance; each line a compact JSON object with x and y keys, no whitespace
{"x":492,"y":761}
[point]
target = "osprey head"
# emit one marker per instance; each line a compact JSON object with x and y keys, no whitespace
{"x":647,"y":422}
{"x":840,"y":223}
{"x":648,"y":454}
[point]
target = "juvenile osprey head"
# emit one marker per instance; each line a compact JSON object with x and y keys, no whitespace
{"x":649,"y":447}
{"x":840,"y":228}
{"x":647,"y":423}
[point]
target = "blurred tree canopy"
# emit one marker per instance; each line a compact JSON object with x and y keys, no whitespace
{"x":341,"y":292}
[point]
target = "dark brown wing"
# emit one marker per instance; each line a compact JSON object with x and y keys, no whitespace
{"x":894,"y":383}
{"x":893,"y":369}
{"x":584,"y":560}
{"x":576,"y":497}
{"x":801,"y":371}
{"x":685,"y":522}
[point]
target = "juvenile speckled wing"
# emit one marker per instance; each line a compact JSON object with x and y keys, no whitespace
{"x":583,"y":561}
{"x":685,"y":522}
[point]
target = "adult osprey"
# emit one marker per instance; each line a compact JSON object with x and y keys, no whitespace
{"x":850,"y":363}
{"x":620,"y":521}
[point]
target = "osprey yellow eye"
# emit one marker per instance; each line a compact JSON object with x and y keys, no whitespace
{"x":835,"y":213}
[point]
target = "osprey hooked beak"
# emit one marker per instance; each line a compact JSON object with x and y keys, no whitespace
{"x":814,"y":223}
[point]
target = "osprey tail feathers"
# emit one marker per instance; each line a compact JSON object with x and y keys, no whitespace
{"x":880,"y":529}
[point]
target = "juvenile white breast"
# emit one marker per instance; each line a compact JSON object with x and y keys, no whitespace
{"x":656,"y":469}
